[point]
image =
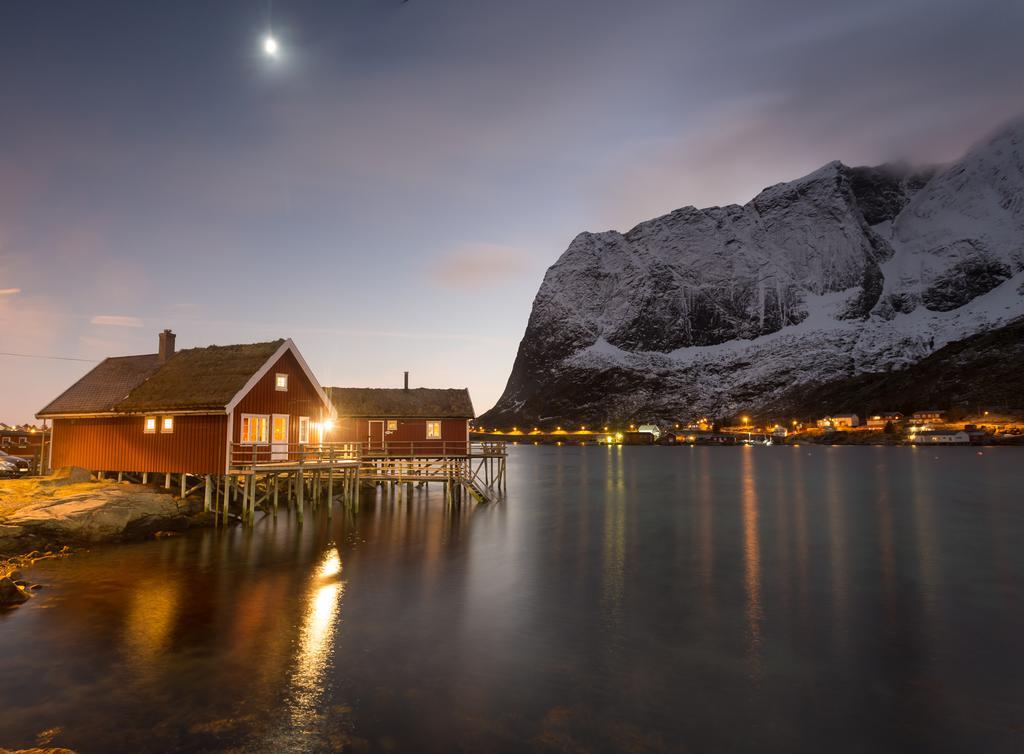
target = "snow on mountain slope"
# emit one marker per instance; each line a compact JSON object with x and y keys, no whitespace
{"x":843,"y":271}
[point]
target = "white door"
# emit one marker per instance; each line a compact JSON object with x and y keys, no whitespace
{"x":279,"y":438}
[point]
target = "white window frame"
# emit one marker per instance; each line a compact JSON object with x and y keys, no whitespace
{"x":164,"y":429}
{"x":146,"y":429}
{"x":303,"y":430}
{"x":391,"y":425}
{"x":431,"y":423}
{"x":263,"y":439}
{"x":281,"y":382}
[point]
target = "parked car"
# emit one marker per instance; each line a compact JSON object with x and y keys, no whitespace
{"x":13,"y":466}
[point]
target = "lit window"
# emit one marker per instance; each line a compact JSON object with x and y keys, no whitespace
{"x":303,"y":429}
{"x":150,"y":426}
{"x":167,"y":424}
{"x":254,"y":429}
{"x":433,"y":430}
{"x":281,"y":382}
{"x":392,"y":425}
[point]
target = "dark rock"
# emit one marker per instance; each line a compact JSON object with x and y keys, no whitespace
{"x":11,"y":593}
{"x":965,"y":281}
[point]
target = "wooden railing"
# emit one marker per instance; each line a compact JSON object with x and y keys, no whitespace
{"x":433,"y":448}
{"x":244,"y":455}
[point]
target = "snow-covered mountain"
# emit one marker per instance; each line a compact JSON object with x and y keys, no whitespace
{"x":712,"y":311}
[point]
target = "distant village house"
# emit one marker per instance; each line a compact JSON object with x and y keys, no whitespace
{"x":839,"y":421}
{"x":948,"y":437}
{"x":879,"y":421}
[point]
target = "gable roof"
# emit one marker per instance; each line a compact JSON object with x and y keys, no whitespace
{"x":414,"y":403}
{"x":214,"y":378}
{"x":104,"y":386}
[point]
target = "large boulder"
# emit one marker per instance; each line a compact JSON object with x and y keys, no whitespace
{"x":66,"y":475}
{"x":101,"y":514}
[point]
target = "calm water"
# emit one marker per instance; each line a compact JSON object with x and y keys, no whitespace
{"x":625,"y":599}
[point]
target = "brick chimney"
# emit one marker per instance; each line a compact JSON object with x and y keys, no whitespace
{"x":406,"y":380}
{"x":166,"y":345}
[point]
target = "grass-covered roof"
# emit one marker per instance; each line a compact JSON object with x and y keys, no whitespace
{"x":399,"y":403}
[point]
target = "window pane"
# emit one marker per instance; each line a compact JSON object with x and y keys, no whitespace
{"x":280,"y":429}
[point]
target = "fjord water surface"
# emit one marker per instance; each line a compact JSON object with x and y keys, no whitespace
{"x":621,"y":599}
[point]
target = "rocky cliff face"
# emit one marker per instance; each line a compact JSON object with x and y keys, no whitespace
{"x":842,"y":272}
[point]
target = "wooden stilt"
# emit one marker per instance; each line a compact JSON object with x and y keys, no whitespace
{"x":330,"y":485}
{"x":207,"y":493}
{"x":227,"y":496}
{"x":275,"y":495}
{"x":299,"y":486}
{"x":184,"y":481}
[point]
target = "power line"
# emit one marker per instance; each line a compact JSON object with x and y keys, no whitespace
{"x":40,"y":356}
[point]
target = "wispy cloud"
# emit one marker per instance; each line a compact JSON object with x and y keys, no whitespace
{"x":480,"y":264}
{"x":9,"y":291}
{"x":115,"y":321}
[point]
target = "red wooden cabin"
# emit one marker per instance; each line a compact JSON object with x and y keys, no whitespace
{"x":181,"y":412}
{"x":402,"y":421}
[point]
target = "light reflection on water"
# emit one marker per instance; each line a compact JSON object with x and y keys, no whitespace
{"x":317,"y":640}
{"x":637,"y":599}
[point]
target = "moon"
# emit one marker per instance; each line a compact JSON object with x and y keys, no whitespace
{"x":271,"y":48}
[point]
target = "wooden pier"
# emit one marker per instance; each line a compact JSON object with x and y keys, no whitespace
{"x":326,"y":473}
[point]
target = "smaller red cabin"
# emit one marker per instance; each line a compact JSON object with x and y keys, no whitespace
{"x":402,"y":421}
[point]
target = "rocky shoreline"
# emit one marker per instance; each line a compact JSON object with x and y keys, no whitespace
{"x":48,"y":516}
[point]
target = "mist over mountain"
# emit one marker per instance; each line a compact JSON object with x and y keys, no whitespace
{"x":844,"y":272}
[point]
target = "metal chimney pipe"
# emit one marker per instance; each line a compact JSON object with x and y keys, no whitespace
{"x":406,"y":380}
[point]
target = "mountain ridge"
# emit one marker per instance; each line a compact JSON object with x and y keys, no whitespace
{"x":841,"y":272}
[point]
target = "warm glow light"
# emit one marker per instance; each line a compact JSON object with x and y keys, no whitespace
{"x":270,"y":46}
{"x":330,"y":565}
{"x":329,"y":425}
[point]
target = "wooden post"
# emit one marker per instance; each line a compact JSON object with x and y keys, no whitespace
{"x":227,"y":497}
{"x":299,"y":487}
{"x":184,"y":481}
{"x":330,"y":482}
{"x":120,"y":476}
{"x":145,"y":477}
{"x":167,"y":480}
{"x":245,"y":500}
{"x":275,"y":495}
{"x":207,"y":492}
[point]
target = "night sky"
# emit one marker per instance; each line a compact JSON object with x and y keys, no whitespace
{"x":390,"y":191}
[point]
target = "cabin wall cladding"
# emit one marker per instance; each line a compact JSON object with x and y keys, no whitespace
{"x":120,"y":443}
{"x":358,"y":430}
{"x":301,"y":398}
